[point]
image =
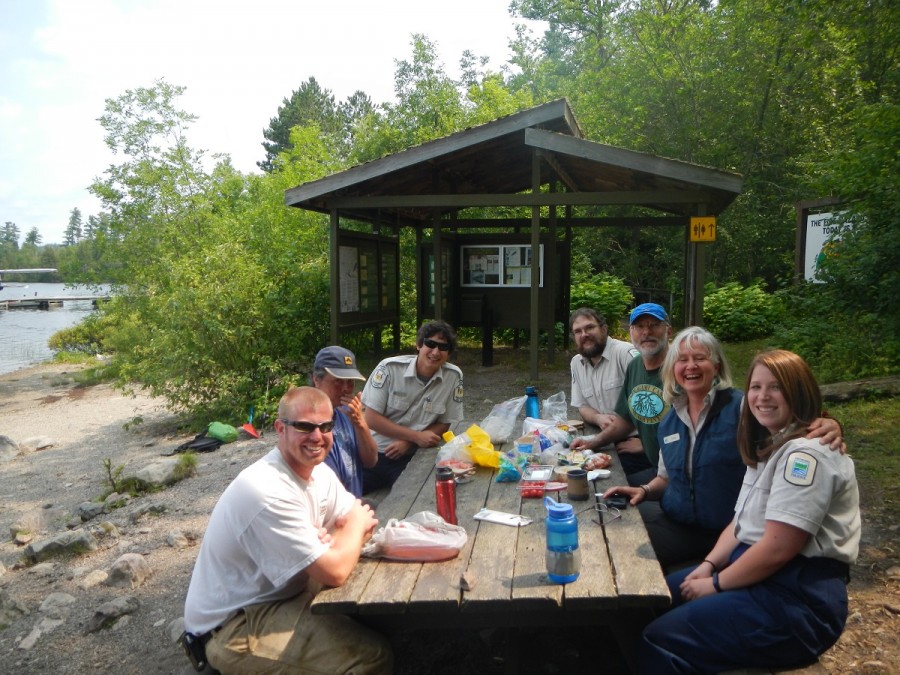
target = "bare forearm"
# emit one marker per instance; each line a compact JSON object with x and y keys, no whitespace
{"x":780,"y":544}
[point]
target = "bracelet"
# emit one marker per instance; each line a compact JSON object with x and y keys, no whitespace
{"x":646,"y":489}
{"x":711,"y":564}
{"x":715,"y":580}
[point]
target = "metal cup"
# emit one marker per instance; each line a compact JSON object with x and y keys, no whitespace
{"x":578,"y":485}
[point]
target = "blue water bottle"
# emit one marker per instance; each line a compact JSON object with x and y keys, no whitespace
{"x":531,"y":403}
{"x":563,"y":556}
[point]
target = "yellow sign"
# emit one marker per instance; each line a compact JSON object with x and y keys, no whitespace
{"x":703,"y":228}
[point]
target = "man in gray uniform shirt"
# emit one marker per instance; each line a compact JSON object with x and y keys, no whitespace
{"x":410,"y":401}
{"x":598,"y":370}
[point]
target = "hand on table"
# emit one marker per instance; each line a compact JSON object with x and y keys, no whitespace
{"x":397,"y":449}
{"x":635,"y":494}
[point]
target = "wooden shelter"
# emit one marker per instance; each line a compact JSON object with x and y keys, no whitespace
{"x":508,"y":162}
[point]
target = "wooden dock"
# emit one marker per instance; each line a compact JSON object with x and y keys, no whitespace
{"x":48,"y":303}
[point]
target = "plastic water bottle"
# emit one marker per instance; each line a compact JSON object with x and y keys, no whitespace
{"x":563,"y":556}
{"x":532,"y":409}
{"x":445,"y":494}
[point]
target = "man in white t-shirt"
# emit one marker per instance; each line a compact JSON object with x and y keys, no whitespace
{"x":282,"y":529}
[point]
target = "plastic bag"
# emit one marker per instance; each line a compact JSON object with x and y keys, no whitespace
{"x":555,"y":408}
{"x":500,"y":423}
{"x":473,"y":446}
{"x":547,"y":428}
{"x":222,"y":432}
{"x":423,"y":537}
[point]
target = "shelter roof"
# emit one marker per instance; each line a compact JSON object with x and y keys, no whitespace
{"x":491,"y":165}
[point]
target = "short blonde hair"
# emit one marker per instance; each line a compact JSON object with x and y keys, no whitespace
{"x":691,"y":336}
{"x":297,"y":398}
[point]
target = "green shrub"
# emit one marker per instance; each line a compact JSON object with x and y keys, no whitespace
{"x":605,"y":293}
{"x":838,"y":346}
{"x":87,"y":337}
{"x":735,"y":313}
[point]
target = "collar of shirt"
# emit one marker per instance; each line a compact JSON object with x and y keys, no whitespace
{"x":410,"y":372}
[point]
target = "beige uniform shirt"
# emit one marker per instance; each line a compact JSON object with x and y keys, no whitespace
{"x":395,"y":391}
{"x":809,"y":486}
{"x":598,"y":386}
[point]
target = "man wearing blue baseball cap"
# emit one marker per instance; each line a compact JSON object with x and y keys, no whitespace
{"x":640,"y":405}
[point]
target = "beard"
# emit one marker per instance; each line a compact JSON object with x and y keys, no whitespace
{"x":589,"y":351}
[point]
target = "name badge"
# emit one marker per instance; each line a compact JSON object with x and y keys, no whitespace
{"x":671,"y":438}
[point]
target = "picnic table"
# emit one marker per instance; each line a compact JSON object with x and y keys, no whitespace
{"x":621,"y":585}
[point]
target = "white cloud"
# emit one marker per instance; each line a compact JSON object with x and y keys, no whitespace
{"x":238,"y":61}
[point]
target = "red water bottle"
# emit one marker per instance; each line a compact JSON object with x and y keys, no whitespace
{"x":445,"y":494}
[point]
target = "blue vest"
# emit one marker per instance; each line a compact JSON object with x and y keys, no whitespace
{"x":707,"y":497}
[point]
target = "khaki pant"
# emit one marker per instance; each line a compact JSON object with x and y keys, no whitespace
{"x":285,"y":637}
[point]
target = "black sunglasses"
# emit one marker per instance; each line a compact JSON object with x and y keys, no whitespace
{"x":431,"y":344}
{"x":309,"y":427}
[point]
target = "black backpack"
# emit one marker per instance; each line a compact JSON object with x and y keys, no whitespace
{"x":199,"y":443}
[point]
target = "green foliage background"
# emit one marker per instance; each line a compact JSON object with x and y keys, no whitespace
{"x":223,"y":291}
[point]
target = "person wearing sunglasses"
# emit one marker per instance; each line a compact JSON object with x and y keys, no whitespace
{"x":284,"y":528}
{"x":410,"y":401}
{"x":335,"y":372}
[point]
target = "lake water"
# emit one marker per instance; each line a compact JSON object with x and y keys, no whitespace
{"x":24,"y":332}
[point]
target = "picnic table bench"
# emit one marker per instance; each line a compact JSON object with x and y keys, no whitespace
{"x":621,"y":585}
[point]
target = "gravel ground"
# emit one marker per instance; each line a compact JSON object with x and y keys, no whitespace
{"x":91,"y":424}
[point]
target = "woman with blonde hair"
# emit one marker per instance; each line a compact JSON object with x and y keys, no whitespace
{"x":772,"y":592}
{"x":700,"y":469}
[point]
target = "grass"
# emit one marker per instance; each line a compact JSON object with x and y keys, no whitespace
{"x":870,"y":427}
{"x":870,"y":433}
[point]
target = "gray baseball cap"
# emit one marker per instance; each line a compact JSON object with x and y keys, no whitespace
{"x":338,"y":362}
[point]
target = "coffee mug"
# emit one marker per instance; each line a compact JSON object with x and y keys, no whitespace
{"x":578,"y":485}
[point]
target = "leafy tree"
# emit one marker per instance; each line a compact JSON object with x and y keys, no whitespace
{"x":33,"y":238}
{"x":74,"y":230}
{"x":307,"y":105}
{"x":9,"y":236}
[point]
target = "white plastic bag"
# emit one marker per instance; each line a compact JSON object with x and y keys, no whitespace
{"x":546,"y":428}
{"x":500,"y":423}
{"x":423,"y":537}
{"x":555,"y":408}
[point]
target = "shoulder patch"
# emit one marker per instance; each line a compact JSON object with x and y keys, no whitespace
{"x":458,"y":392}
{"x":378,"y":377}
{"x":800,"y":468}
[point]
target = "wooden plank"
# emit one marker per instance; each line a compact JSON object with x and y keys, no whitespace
{"x":438,"y":587}
{"x":492,"y":560}
{"x":595,"y":587}
{"x":639,"y":578}
{"x":391,"y":585}
{"x":532,"y":590}
{"x":397,"y":504}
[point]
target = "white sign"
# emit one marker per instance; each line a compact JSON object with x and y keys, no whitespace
{"x":821,"y":229}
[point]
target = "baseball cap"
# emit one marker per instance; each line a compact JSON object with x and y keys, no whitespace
{"x":339,"y":362}
{"x":650,"y":308}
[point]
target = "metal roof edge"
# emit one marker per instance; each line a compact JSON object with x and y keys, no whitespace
{"x":524,"y":119}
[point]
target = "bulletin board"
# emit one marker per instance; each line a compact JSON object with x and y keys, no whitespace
{"x":499,"y":266}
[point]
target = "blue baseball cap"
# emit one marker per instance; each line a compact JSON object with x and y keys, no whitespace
{"x":650,"y":308}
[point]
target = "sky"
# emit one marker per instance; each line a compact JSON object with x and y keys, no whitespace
{"x":61,"y":59}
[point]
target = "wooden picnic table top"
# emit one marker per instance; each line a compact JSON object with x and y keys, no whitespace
{"x":620,"y":584}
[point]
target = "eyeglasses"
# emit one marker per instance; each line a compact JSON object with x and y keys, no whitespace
{"x":309,"y":427}
{"x":431,"y":344}
{"x":606,"y":513}
{"x":582,"y":330}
